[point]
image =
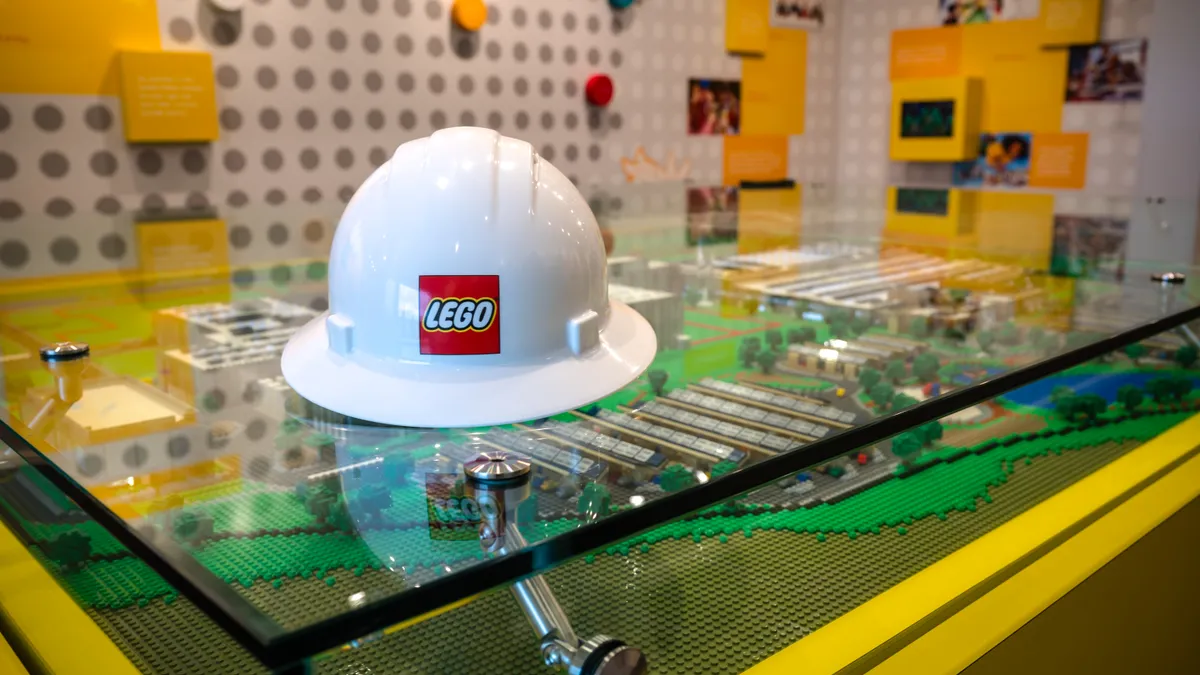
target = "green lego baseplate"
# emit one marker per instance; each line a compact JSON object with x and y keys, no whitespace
{"x":714,"y":592}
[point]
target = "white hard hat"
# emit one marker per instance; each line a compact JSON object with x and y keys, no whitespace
{"x":467,"y":286}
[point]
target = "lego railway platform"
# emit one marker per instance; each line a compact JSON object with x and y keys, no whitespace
{"x":1071,"y":566}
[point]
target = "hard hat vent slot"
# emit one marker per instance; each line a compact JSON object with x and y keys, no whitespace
{"x":583,"y":332}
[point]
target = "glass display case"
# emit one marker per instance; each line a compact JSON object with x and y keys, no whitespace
{"x":824,"y":419}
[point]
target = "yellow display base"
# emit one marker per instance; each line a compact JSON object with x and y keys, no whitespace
{"x":45,"y":624}
{"x":943,"y":618}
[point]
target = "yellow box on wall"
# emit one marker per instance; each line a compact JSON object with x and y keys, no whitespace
{"x":168,"y":97}
{"x":933,"y":212}
{"x":746,"y":25}
{"x":935,"y":120}
{"x":768,"y":219}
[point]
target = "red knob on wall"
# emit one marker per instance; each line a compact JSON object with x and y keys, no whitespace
{"x":599,"y":90}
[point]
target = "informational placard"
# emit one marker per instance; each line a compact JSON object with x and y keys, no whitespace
{"x":183,"y":246}
{"x":1059,"y":161}
{"x":755,"y":158}
{"x":1023,"y":81}
{"x":1065,"y":22}
{"x":773,"y":85}
{"x":168,"y":97}
{"x":926,"y":52}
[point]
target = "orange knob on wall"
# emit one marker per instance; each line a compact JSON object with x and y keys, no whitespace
{"x":470,"y":15}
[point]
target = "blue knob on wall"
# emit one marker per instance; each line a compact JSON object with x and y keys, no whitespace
{"x":620,"y":4}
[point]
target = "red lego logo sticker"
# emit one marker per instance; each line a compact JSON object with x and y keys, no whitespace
{"x":460,"y":314}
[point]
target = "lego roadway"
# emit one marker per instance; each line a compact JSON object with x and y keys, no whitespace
{"x":716,"y":592}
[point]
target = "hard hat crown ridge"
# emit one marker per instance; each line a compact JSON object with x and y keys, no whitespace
{"x":467,"y":259}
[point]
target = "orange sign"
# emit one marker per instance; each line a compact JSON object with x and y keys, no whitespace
{"x":1059,"y":161}
{"x":926,"y":52}
{"x":755,"y":158}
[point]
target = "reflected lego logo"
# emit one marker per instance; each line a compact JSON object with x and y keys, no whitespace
{"x":460,"y":315}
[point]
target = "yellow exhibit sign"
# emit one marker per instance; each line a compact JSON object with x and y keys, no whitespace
{"x":935,"y":120}
{"x":768,"y":219}
{"x":68,"y":46}
{"x":169,"y":247}
{"x":746,"y":25}
{"x":168,"y":97}
{"x":926,"y":53}
{"x":1023,"y":84}
{"x":1059,"y":161}
{"x":773,"y":85}
{"x":1066,"y":22}
{"x":754,"y":158}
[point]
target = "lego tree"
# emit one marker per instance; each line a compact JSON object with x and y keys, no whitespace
{"x":860,"y":324}
{"x":595,"y":501}
{"x":918,"y":327}
{"x":840,"y":329}
{"x":193,"y":526}
{"x":800,"y":307}
{"x":766,"y":361}
{"x":1090,"y":406}
{"x":397,"y":466}
{"x":69,"y":549}
{"x":747,"y":352}
{"x":1130,"y":396}
{"x":925,"y":367}
{"x":774,"y":339}
{"x":658,"y":380}
{"x":1064,"y":406}
{"x":1035,"y":336}
{"x":906,"y":446}
{"x":986,"y":339}
{"x":1160,"y":389}
{"x":691,"y":296}
{"x":896,"y":371}
{"x":320,"y":502}
{"x":929,"y":432}
{"x":371,"y":501}
{"x":869,"y":377}
{"x":1135,"y":351}
{"x":882,"y":394}
{"x":807,"y":334}
{"x":723,"y":467}
{"x":676,"y":477}
{"x":1186,"y":356}
{"x":902,"y":401}
{"x":795,"y":336}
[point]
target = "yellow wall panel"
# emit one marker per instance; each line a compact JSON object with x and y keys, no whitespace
{"x":746,"y":25}
{"x":754,"y":158}
{"x":773,"y":85}
{"x":961,"y":144}
{"x":1023,"y":84}
{"x":69,"y":46}
{"x":1015,"y":227}
{"x":768,"y":219}
{"x":182,"y":246}
{"x":926,"y":52}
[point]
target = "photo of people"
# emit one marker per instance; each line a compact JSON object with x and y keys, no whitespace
{"x":1003,"y":161}
{"x":798,"y":14}
{"x":714,"y":107}
{"x":1106,"y":71}
{"x":1089,"y":247}
{"x":712,"y":215}
{"x":961,"y":12}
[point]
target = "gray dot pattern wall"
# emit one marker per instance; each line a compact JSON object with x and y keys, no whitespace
{"x":314,"y":94}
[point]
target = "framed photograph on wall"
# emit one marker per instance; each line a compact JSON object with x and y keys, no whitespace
{"x":962,"y":12}
{"x":714,"y":107}
{"x":1106,"y":71}
{"x":712,"y":215}
{"x":1089,"y":246}
{"x":1003,"y":161}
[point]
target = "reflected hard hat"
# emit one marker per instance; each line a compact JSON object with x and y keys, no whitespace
{"x":468,"y":286}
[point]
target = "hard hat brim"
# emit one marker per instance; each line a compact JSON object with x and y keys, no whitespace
{"x":472,"y":395}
